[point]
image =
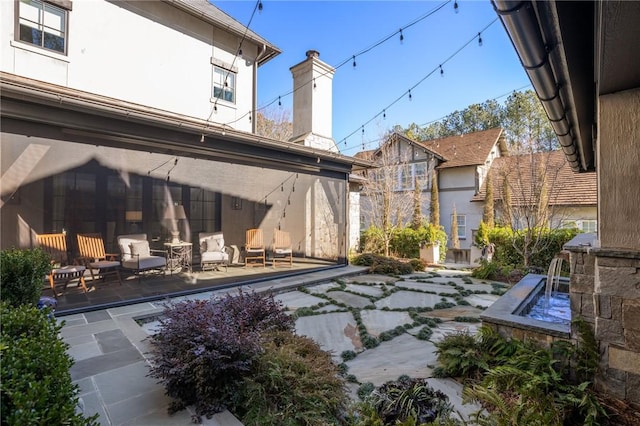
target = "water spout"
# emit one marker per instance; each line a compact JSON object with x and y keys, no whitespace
{"x":553,"y":279}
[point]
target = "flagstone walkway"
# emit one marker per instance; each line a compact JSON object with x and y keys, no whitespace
{"x":347,"y":311}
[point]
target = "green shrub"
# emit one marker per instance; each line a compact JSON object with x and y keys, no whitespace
{"x":204,"y":348}
{"x":22,"y":273}
{"x":293,"y":382}
{"x":409,"y":400}
{"x":348,"y":355}
{"x":418,"y":264}
{"x":425,"y":333}
{"x":365,"y":390}
{"x":372,"y":240}
{"x":36,"y":384}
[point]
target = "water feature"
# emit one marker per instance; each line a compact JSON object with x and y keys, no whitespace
{"x":554,"y":306}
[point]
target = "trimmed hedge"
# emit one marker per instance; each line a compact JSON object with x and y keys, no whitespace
{"x":36,"y":384}
{"x":22,"y":273}
{"x":404,"y":242}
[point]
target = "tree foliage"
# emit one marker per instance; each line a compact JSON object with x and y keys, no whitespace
{"x":455,"y":241}
{"x":526,"y":125}
{"x":434,"y":207}
{"x":274,"y":123}
{"x":488,"y":213}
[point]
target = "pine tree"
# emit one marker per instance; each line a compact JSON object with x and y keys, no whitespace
{"x":455,"y":241}
{"x":487,"y":214}
{"x":434,"y":209}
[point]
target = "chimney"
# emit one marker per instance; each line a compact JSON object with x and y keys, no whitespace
{"x":312,"y":101}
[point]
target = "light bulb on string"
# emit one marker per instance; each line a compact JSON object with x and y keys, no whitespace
{"x":279,"y":101}
{"x":479,"y":39}
{"x":455,"y":6}
{"x":259,"y":6}
{"x":441,"y":71}
{"x":401,"y":36}
{"x":410,"y":97}
{"x":249,"y":117}
{"x":362,"y":130}
{"x":281,"y":187}
{"x":354,"y":61}
{"x":314,"y":83}
{"x":240,"y":51}
{"x":384,"y":114}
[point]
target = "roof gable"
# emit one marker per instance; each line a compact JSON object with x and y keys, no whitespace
{"x":469,"y":149}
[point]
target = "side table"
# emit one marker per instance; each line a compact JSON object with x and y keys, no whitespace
{"x":179,"y":255}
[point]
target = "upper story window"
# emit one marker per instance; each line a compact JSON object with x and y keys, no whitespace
{"x":43,"y":24}
{"x":224,"y":84}
{"x":462,"y":225}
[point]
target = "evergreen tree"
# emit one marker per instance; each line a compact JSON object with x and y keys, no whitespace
{"x":434,"y":208}
{"x":455,"y":241}
{"x":416,"y":220}
{"x":487,"y":214}
{"x":507,"y":217}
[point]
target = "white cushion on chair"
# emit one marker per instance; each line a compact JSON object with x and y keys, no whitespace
{"x":140,"y":248}
{"x":149,"y":262}
{"x":215,"y":243}
{"x":214,"y":256}
{"x":124,"y":241}
{"x":282,"y":251}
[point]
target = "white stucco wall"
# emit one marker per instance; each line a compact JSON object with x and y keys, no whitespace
{"x":457,"y":187}
{"x":145,"y":52}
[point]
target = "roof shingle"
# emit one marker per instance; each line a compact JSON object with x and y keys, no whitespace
{"x":466,"y":150}
{"x":566,"y":188}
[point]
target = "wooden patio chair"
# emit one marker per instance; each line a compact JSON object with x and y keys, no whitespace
{"x":282,"y":251}
{"x":94,"y":257}
{"x":62,"y":272}
{"x":254,"y":249}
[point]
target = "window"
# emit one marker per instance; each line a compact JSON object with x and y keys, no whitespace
{"x":43,"y":25}
{"x":589,"y":226}
{"x":462,"y":226}
{"x":224,"y":84}
{"x":408,"y":173}
{"x":406,"y":177}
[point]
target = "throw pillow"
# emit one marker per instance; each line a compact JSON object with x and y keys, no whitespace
{"x":140,"y":248}
{"x":215,"y":243}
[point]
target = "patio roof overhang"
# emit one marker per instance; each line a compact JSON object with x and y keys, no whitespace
{"x":68,"y":114}
{"x":574,"y":52}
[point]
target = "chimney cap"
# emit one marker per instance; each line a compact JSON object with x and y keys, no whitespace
{"x":312,"y":54}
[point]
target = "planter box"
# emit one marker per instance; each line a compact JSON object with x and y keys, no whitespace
{"x":430,"y":253}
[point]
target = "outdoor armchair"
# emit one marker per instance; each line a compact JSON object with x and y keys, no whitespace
{"x":96,"y":260}
{"x":254,"y":251}
{"x":213,"y":252}
{"x":137,"y":257}
{"x":62,"y":272}
{"x":282,"y":251}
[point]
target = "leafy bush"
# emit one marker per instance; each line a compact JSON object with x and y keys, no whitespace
{"x":403,"y":242}
{"x":382,"y":265}
{"x":418,"y":264}
{"x":293,"y":382}
{"x":372,"y":240}
{"x":205,"y":348}
{"x":348,"y":355}
{"x":36,"y":384}
{"x":425,"y":333}
{"x":22,"y":273}
{"x":409,"y":399}
{"x":365,"y":390}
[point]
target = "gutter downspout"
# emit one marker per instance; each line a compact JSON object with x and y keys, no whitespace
{"x":521,"y":23}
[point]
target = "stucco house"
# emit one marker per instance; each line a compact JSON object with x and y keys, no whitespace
{"x":106,"y":126}
{"x":571,"y":197}
{"x":460,"y":164}
{"x":584,"y":63}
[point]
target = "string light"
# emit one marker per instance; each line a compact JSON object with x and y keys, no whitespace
{"x":480,"y":39}
{"x":362,"y":130}
{"x":401,"y":36}
{"x":410,"y":94}
{"x":354,"y":61}
{"x":202,"y":138}
{"x":249,"y":117}
{"x":439,"y":67}
{"x":259,"y":6}
{"x":384,"y":116}
{"x":314,"y":83}
{"x":240,"y":51}
{"x":279,"y":101}
{"x":455,"y":6}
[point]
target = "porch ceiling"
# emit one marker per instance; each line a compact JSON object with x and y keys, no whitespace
{"x":66,"y":114}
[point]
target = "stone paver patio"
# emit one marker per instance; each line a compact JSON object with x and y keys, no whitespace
{"x":110,"y":347}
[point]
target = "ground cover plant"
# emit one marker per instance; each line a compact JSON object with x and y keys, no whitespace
{"x":519,"y":382}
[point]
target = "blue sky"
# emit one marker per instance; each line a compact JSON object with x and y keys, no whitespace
{"x":341,"y":29}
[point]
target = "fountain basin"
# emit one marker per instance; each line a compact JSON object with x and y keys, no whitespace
{"x":507,"y":314}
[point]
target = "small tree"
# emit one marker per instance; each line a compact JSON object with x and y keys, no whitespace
{"x":416,"y":220}
{"x":455,"y":241}
{"x":487,"y":214}
{"x":434,"y":208}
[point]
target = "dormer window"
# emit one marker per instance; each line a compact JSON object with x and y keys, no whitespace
{"x":43,"y":24}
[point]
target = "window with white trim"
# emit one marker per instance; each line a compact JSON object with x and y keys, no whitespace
{"x":462,"y":226}
{"x":224,"y":84}
{"x":43,"y":24}
{"x":408,"y":173}
{"x":589,"y":225}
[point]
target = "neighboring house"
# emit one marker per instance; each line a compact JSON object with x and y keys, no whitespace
{"x":584,"y":63}
{"x":571,"y":197}
{"x":460,"y":163}
{"x":113,"y":111}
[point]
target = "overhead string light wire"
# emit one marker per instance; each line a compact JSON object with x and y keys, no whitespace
{"x":408,"y":92}
{"x":374,"y":141}
{"x":351,"y":59}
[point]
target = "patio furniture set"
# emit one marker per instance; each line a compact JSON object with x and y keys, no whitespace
{"x":137,"y":258}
